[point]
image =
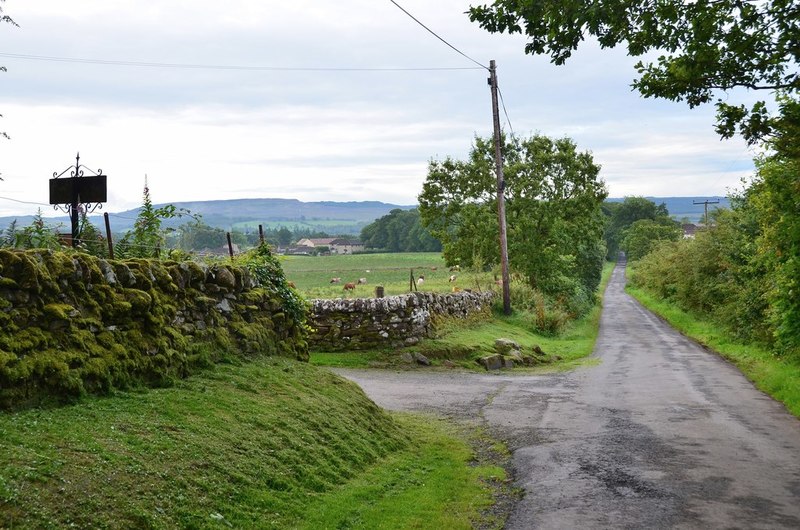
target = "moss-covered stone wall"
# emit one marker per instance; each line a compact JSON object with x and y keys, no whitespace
{"x":363,"y":323}
{"x":71,"y":323}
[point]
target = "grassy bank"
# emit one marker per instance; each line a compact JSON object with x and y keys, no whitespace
{"x":775,"y":376}
{"x":274,"y":443}
{"x":462,"y":342}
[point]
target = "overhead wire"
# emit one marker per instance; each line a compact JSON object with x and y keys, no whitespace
{"x":503,"y":103}
{"x":25,"y":202}
{"x":415,"y":19}
{"x":82,"y":60}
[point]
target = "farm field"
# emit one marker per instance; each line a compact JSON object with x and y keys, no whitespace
{"x":312,"y":274}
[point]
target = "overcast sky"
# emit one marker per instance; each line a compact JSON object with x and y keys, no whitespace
{"x":211,"y":133}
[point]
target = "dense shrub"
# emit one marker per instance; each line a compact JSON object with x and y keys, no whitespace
{"x":715,"y":274}
{"x":548,"y":315}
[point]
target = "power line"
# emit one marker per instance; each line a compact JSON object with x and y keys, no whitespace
{"x":503,"y":103}
{"x":189,"y":66}
{"x":415,"y":19}
{"x":25,"y":202}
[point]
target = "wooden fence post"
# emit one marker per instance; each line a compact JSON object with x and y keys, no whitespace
{"x":108,"y":236}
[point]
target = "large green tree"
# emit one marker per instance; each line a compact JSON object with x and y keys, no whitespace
{"x":399,"y":231}
{"x":643,"y":235}
{"x":704,"y":48}
{"x":623,"y":214}
{"x":553,"y":195}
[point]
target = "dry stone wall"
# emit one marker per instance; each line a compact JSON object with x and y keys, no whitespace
{"x":363,"y":323}
{"x":71,"y":323}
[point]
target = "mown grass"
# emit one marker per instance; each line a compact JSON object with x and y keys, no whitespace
{"x":312,"y":274}
{"x":270,"y":444}
{"x":434,"y":474}
{"x":464,"y":341}
{"x":776,"y":376}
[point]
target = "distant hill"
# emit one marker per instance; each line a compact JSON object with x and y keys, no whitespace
{"x":327,"y":216}
{"x":247,"y":214}
{"x":684,"y":207}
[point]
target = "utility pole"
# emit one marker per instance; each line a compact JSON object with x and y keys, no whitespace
{"x":501,"y":186}
{"x":706,"y":203}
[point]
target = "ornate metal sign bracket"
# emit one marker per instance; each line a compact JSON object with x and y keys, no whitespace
{"x":78,"y":192}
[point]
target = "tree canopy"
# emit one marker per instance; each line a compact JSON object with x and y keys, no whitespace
{"x":622,"y":215}
{"x":706,"y":47}
{"x":399,"y":231}
{"x":553,"y":195}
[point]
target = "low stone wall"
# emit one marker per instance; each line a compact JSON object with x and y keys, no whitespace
{"x":363,"y":323}
{"x":71,"y":323}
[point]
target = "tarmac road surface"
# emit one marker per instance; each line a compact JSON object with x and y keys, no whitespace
{"x":660,"y":434}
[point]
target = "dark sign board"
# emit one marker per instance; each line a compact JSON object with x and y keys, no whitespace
{"x":82,"y":189}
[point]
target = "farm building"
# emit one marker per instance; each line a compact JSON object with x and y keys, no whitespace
{"x":346,"y":246}
{"x":320,"y":242}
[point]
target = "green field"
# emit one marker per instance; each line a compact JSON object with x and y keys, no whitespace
{"x":312,"y":274}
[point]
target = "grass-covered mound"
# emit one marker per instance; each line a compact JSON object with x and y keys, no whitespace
{"x":269,"y":444}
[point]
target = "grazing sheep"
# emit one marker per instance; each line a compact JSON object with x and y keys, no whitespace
{"x":421,"y":279}
{"x":349,"y":287}
{"x":362,"y":281}
{"x":455,"y":268}
{"x":452,"y":278}
{"x":336,"y":280}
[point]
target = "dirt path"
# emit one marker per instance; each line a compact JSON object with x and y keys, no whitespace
{"x":660,"y":434}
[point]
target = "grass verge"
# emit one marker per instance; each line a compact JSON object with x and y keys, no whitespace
{"x":773,"y":375}
{"x":464,"y":341}
{"x":270,"y":444}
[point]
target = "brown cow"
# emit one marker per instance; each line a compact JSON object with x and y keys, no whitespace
{"x":349,"y":287}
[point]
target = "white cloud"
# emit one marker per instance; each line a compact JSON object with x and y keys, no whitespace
{"x":208,"y":134}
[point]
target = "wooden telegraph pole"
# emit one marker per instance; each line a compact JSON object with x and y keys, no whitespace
{"x":706,"y":203}
{"x":501,"y":186}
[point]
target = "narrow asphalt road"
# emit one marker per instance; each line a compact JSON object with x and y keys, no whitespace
{"x":659,"y":434}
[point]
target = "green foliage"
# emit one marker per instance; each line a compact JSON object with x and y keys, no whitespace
{"x":553,"y":197}
{"x":622,"y":215}
{"x":39,"y":234}
{"x":197,"y":235}
{"x":643,"y":235}
{"x":776,"y":199}
{"x":90,"y":239}
{"x":267,"y":271}
{"x":147,"y":238}
{"x":704,"y":47}
{"x":399,"y":231}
